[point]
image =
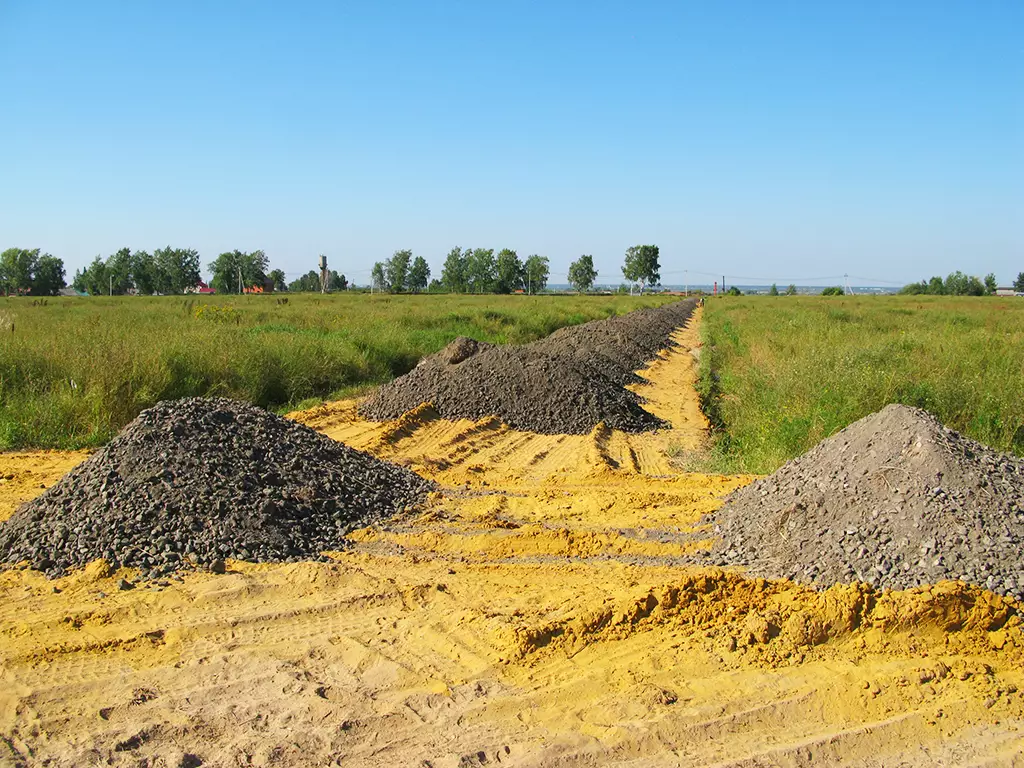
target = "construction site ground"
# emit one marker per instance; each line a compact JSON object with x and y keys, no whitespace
{"x":541,"y":611}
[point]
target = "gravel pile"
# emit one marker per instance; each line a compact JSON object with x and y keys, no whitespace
{"x":894,"y":500}
{"x":191,"y":482}
{"x":567,"y":383}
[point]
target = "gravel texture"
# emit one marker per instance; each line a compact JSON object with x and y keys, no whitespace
{"x":894,"y":500}
{"x":191,"y":482}
{"x":567,"y":383}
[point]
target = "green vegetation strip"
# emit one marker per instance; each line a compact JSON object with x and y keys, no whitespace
{"x":778,"y":374}
{"x":74,"y":371}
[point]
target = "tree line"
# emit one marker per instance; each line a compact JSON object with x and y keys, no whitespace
{"x":480,"y":270}
{"x":27,"y":271}
{"x":177,"y":270}
{"x":955,"y":284}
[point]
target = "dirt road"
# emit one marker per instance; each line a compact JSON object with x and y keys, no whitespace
{"x":536,"y":614}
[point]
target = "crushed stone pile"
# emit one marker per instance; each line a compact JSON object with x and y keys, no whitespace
{"x":567,"y":383}
{"x":895,"y":500}
{"x":191,"y":482}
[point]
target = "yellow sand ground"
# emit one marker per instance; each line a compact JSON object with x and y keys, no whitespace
{"x":536,"y":613}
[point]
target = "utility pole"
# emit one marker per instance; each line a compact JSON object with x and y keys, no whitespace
{"x":687,"y":273}
{"x":110,"y":286}
{"x":849,"y":290}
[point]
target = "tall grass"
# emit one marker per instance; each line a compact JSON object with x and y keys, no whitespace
{"x":779,"y":374}
{"x":73,"y":371}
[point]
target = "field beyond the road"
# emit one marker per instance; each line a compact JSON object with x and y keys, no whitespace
{"x":74,"y":371}
{"x":781,"y":373}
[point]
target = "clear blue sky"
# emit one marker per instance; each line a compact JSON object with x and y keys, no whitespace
{"x":765,"y":139}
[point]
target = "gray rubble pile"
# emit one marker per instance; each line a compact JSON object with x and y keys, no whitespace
{"x":567,"y":383}
{"x":895,"y":500}
{"x":191,"y":482}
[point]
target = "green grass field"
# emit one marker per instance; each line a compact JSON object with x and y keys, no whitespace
{"x":781,"y":373}
{"x":74,"y":371}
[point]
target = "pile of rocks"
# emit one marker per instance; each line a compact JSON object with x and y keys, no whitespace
{"x":895,"y":500}
{"x":191,"y":482}
{"x":567,"y":383}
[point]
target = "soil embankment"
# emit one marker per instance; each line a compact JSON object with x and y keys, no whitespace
{"x":567,"y":383}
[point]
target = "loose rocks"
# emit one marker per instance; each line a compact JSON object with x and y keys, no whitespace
{"x":567,"y":383}
{"x":199,"y":480}
{"x":894,"y":500}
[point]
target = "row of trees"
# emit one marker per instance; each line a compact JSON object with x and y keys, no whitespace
{"x":479,"y":270}
{"x":400,"y":273}
{"x":175,"y":270}
{"x":955,"y":284}
{"x":28,"y":271}
{"x":166,"y":270}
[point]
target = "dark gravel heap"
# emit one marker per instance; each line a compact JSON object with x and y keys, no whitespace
{"x":567,"y":383}
{"x":195,"y":481}
{"x":894,"y":500}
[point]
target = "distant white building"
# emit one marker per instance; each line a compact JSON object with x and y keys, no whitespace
{"x":1007,"y":292}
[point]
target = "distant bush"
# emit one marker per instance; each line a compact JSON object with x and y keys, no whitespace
{"x":834,"y":290}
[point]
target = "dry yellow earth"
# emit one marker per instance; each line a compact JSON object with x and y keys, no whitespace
{"x":538,"y":612}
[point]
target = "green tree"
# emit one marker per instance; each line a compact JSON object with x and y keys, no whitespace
{"x":641,"y":265}
{"x":480,"y":270}
{"x":232,"y":266}
{"x":119,"y":272}
{"x":419,"y":274}
{"x":974,"y":287}
{"x":791,"y":290}
{"x":454,"y":273}
{"x":582,"y":273}
{"x":774,"y":290}
{"x":226,"y":270}
{"x":16,"y":268}
{"x":509,"y":271}
{"x":734,"y":291}
{"x":536,"y":273}
{"x":177,"y":269}
{"x":936,"y":287}
{"x":144,"y":274}
{"x":309,"y":282}
{"x":1018,"y":284}
{"x":254,"y":269}
{"x":956,"y":284}
{"x":834,"y":290}
{"x":93,"y":279}
{"x":396,"y":270}
{"x":48,"y":277}
{"x":377,"y":279}
{"x":277,"y":277}
{"x":990,"y":283}
{"x":338,"y":282}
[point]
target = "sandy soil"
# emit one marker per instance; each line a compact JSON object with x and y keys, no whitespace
{"x":535,"y":614}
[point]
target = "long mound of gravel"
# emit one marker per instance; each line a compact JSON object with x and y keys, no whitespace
{"x":191,"y":482}
{"x":566,"y":383}
{"x":895,"y":500}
